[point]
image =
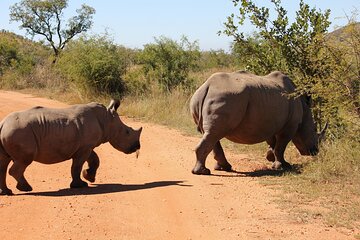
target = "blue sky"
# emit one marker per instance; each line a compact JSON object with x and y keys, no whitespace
{"x":133,"y":23}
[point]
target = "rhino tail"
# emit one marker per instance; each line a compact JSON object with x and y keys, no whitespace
{"x":2,"y":150}
{"x":199,"y":121}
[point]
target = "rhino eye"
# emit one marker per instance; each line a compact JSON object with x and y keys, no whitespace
{"x":127,"y":132}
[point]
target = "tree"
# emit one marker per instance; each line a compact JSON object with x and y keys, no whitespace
{"x":296,"y":48}
{"x":45,"y":18}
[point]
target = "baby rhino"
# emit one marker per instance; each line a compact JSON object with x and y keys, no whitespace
{"x":50,"y":136}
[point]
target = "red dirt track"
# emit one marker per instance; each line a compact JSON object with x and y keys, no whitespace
{"x":152,"y":197}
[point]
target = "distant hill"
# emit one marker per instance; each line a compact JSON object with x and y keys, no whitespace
{"x":14,"y":47}
{"x":20,"y":40}
{"x":343,"y":33}
{"x":19,"y":57}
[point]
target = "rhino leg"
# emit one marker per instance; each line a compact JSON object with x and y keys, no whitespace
{"x":202,"y":151}
{"x":221,"y":163}
{"x":4,"y":163}
{"x":17,"y":171}
{"x":78,"y":161}
{"x":279,"y":154}
{"x":270,"y":155}
{"x":90,"y":173}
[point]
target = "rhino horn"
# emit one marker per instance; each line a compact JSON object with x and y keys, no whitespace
{"x":321,"y":135}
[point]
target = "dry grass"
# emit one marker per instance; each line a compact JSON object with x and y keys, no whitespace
{"x":328,"y":187}
{"x":167,"y":109}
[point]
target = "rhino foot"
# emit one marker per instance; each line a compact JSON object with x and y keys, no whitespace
{"x":6,"y":191}
{"x":286,"y":166}
{"x":87,"y":176}
{"x":24,"y":187}
{"x":276,"y":165}
{"x":201,"y":171}
{"x":225,"y":167}
{"x":281,"y":165}
{"x":78,"y":184}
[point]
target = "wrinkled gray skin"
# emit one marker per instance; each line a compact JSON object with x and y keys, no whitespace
{"x":249,"y":109}
{"x":50,"y":136}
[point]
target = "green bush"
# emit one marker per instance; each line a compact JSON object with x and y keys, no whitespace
{"x":136,"y":82}
{"x":169,"y":62}
{"x":215,"y":59}
{"x":95,"y":65}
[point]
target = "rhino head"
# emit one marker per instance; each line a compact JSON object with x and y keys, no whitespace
{"x":122,"y":137}
{"x":306,"y":139}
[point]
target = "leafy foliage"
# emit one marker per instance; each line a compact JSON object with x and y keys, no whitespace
{"x":44,"y":18}
{"x":95,"y":65}
{"x":298,"y":49}
{"x":215,"y":59}
{"x":169,"y":62}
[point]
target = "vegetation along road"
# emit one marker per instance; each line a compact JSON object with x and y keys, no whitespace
{"x":153,"y":197}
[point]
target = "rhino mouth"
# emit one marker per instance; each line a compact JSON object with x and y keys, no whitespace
{"x":310,"y":152}
{"x":314,"y":151}
{"x":133,"y":148}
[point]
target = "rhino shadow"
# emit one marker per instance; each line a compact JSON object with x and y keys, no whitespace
{"x":264,"y":172}
{"x":95,"y":189}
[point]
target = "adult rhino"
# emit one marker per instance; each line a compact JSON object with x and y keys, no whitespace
{"x":50,"y":136}
{"x":249,"y":109}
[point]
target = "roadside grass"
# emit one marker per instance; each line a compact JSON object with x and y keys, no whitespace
{"x":171,"y":110}
{"x":327,"y":187}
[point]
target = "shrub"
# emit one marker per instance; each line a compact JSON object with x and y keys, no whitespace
{"x":95,"y":65}
{"x":169,"y":62}
{"x":136,"y":82}
{"x":216,"y":59}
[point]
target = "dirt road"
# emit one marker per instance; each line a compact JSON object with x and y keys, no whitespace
{"x":153,"y":197}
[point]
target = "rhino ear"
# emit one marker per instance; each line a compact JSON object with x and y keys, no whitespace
{"x":113,"y":106}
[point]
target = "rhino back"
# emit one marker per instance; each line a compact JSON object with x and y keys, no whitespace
{"x":52,"y":135}
{"x":252,"y":108}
